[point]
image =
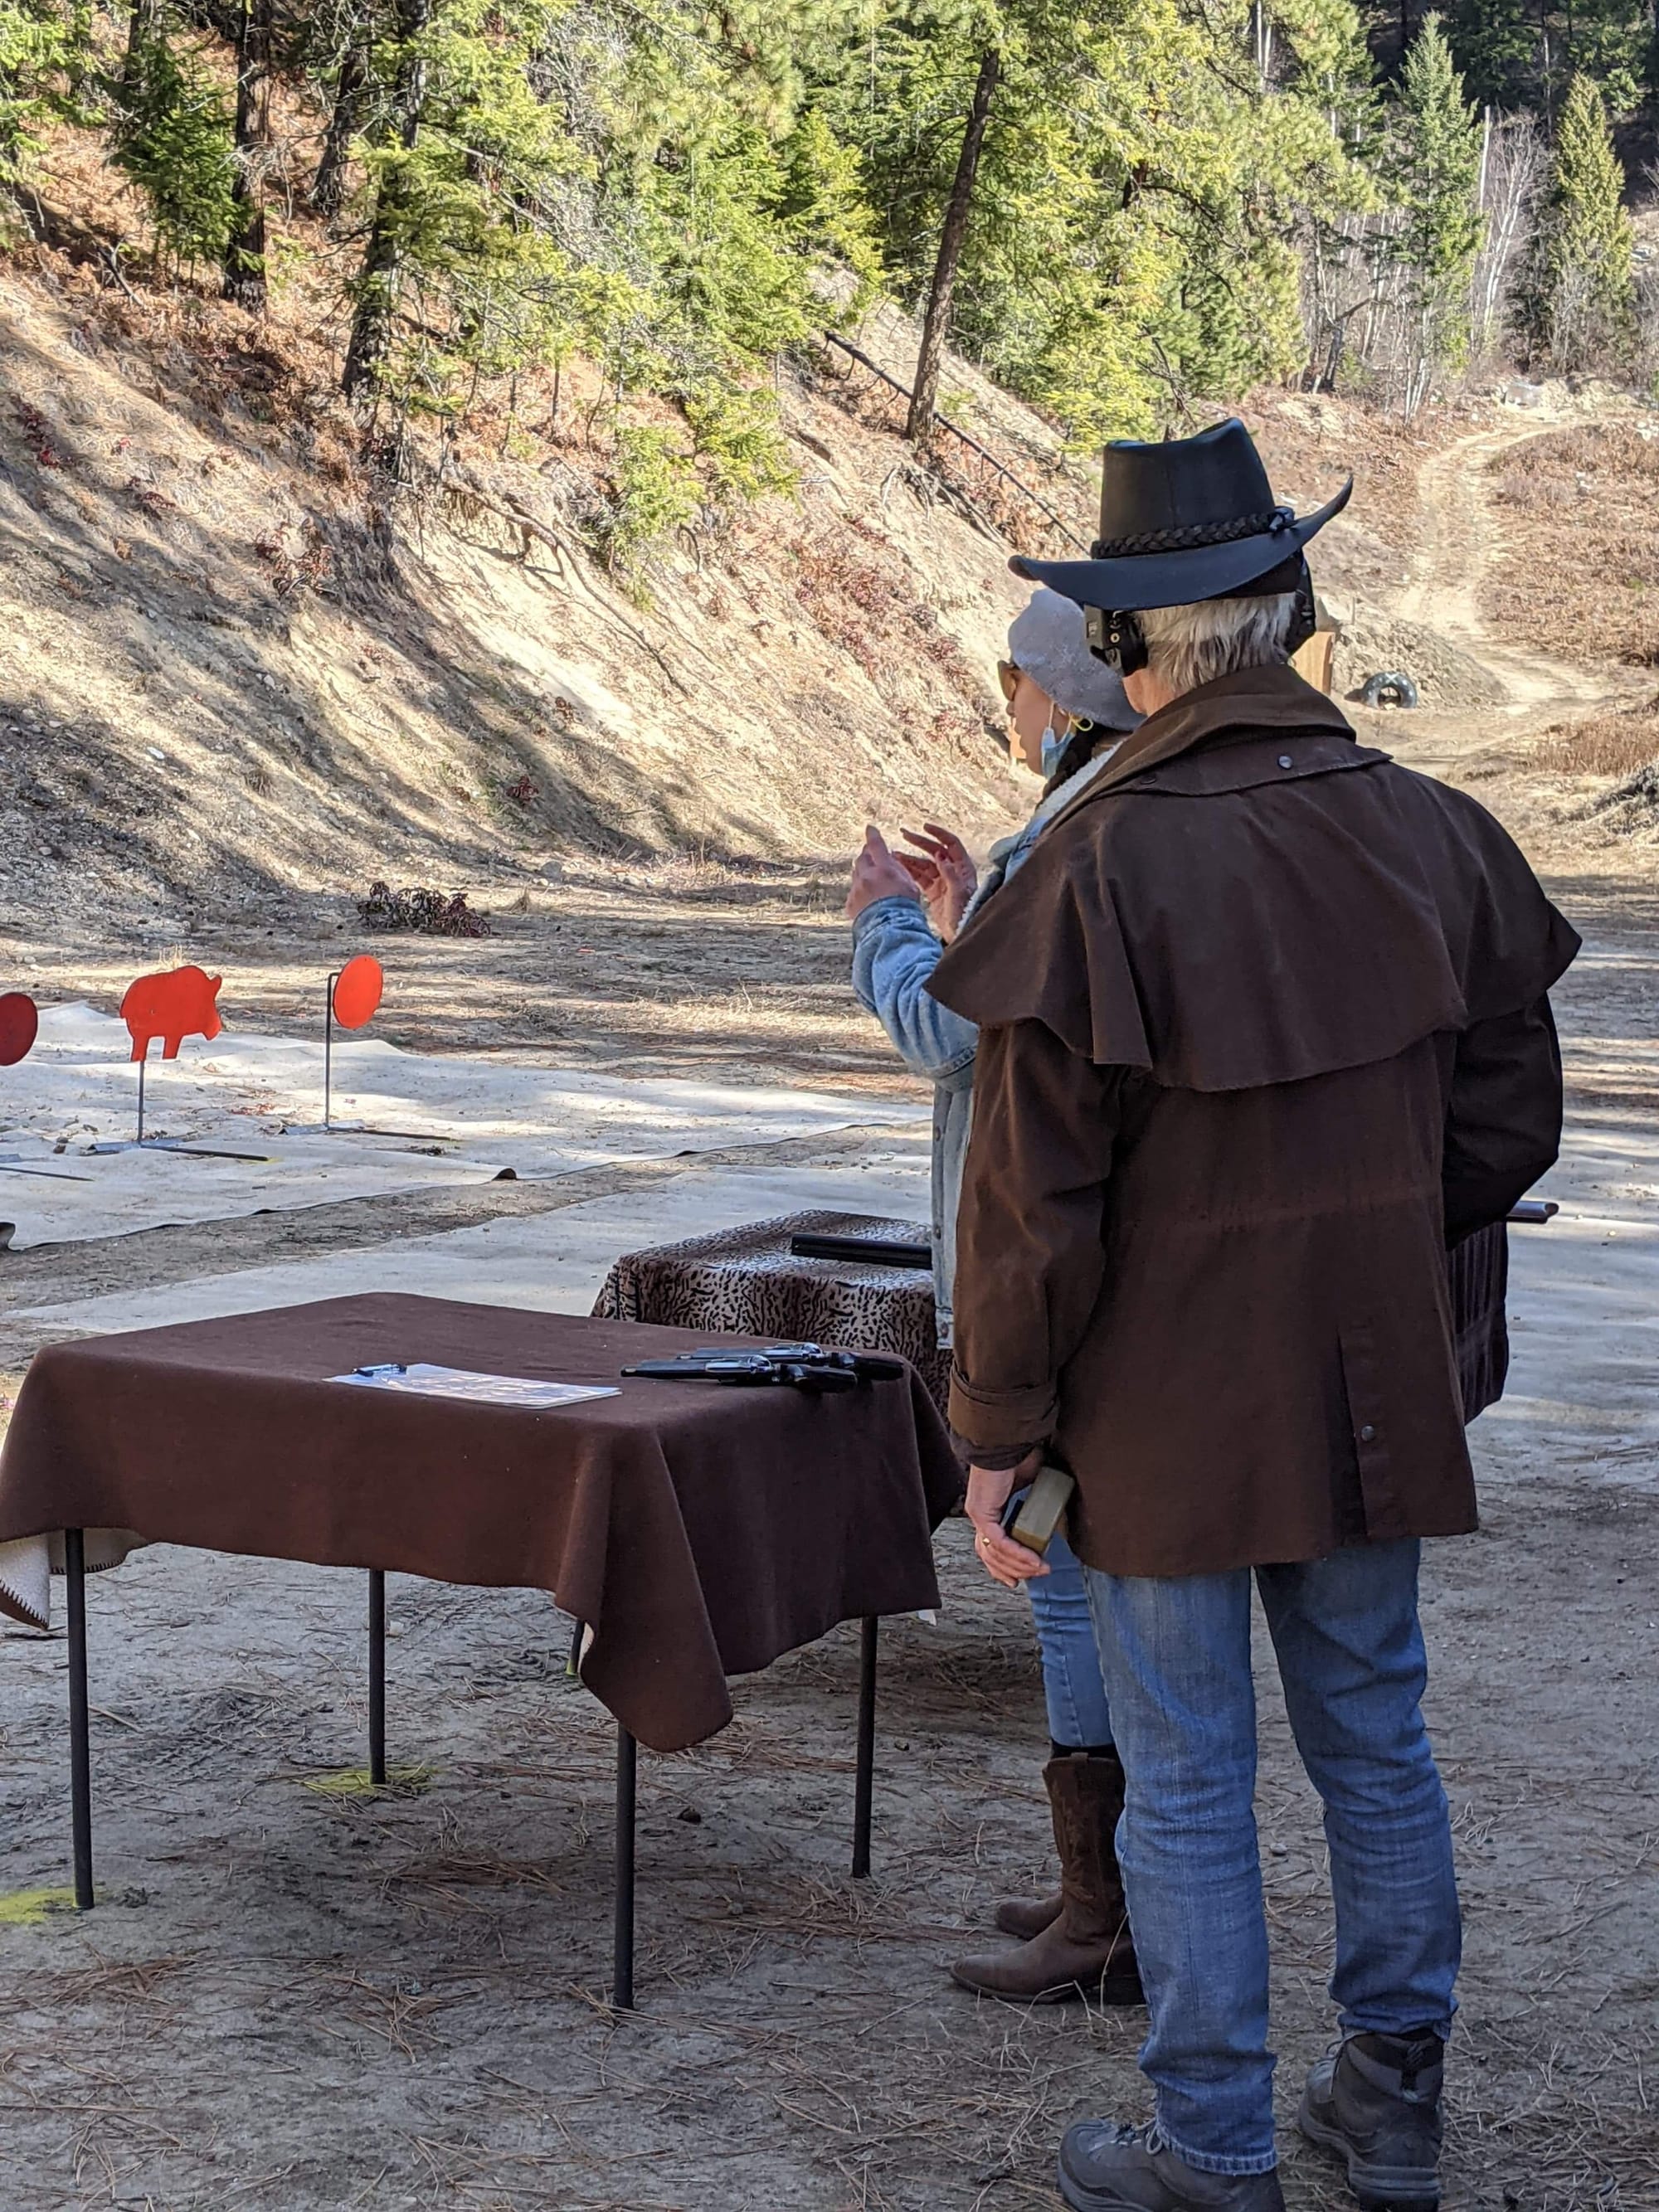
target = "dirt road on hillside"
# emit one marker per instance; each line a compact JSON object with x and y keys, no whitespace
{"x":1459,"y":541}
{"x":1497,"y":751}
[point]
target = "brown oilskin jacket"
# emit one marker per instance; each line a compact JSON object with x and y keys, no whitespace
{"x":1264,"y":1029}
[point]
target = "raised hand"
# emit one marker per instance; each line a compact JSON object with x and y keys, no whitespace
{"x":944,"y":873}
{"x":877,"y":873}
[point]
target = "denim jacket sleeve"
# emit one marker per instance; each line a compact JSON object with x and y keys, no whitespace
{"x":893,"y":953}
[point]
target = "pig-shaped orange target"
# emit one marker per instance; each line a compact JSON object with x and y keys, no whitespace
{"x":181,"y":1003}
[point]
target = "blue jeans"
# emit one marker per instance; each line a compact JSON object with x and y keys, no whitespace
{"x":1177,"y":1657}
{"x":1074,"y":1687}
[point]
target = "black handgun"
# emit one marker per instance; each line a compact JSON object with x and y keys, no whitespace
{"x":1534,"y":1209}
{"x":868,"y":1366}
{"x":806,"y":1367}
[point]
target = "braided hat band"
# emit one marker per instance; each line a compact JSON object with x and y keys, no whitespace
{"x":1184,"y":537}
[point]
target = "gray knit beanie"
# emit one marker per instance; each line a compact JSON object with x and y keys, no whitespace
{"x":1046,"y":640}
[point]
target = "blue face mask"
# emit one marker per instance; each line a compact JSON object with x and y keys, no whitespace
{"x":1053,"y":746}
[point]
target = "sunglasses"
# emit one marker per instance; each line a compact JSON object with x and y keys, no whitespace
{"x":1008,"y":675}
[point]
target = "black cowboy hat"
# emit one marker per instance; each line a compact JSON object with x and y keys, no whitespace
{"x":1186,"y":520}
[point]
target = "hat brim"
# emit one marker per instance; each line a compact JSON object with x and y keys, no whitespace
{"x":1134,"y":581}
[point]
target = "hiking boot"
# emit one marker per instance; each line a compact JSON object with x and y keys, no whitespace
{"x":1086,"y":1950}
{"x":1026,"y":1916}
{"x":1104,"y":2168}
{"x":1375,"y":2100}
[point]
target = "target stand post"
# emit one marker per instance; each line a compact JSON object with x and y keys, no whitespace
{"x":140,"y":1143}
{"x":136,"y":1144}
{"x":329,"y":1125}
{"x":74,"y":1575}
{"x":377,"y":1677}
{"x":350,"y":999}
{"x":167,"y":1009}
{"x":864,"y":1770}
{"x":20,"y":1026}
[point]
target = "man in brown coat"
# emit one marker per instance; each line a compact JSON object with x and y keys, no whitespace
{"x":1264,"y":1029}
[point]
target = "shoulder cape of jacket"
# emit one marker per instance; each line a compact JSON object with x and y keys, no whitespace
{"x":1245,"y":895}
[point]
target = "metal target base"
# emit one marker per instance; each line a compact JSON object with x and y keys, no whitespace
{"x":14,"y":1163}
{"x":176,"y":1145}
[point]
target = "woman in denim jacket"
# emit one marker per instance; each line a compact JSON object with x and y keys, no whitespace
{"x":1066,"y":712}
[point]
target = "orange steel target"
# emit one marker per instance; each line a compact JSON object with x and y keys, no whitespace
{"x":357,"y":992}
{"x":20,"y":1025}
{"x":179,"y":1004}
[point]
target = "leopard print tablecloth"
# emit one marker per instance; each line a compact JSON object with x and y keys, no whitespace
{"x":747,"y":1281}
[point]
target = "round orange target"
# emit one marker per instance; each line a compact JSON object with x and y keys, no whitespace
{"x":357,"y":990}
{"x":20,"y":1025}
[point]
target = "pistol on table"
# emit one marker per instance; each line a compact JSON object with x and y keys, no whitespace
{"x":806,"y":1367}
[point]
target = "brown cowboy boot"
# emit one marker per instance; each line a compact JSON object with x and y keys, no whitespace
{"x":1087,"y":1950}
{"x":1026,"y":1916}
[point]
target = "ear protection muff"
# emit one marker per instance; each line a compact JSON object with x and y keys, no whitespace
{"x":1115,"y":637}
{"x":1304,"y":619}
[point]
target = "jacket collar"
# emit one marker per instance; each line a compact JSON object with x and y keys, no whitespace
{"x":1252,"y":703}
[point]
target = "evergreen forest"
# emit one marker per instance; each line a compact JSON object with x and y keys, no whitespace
{"x":1126,"y":212}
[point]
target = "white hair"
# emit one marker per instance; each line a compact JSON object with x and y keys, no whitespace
{"x":1192,"y":645}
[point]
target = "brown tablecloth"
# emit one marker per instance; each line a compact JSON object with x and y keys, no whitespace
{"x":746,"y":1279}
{"x":699,"y":1531}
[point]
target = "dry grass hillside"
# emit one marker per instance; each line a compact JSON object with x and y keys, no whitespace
{"x":1579,"y":506}
{"x":233,"y":678}
{"x":228,"y":672}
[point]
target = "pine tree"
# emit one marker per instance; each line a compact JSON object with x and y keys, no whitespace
{"x":172,"y":138}
{"x":1610,"y":41}
{"x":1579,"y":305}
{"x":1497,"y":47}
{"x":335,"y":51}
{"x":328,"y":187}
{"x":377,"y":280}
{"x":1524,"y":53}
{"x":953,"y":232}
{"x":143,"y":24}
{"x":1434,"y":172}
{"x":42,"y":47}
{"x":821,"y":200}
{"x":1130,"y":248}
{"x":245,"y":252}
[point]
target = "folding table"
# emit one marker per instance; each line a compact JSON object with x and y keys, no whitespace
{"x":697,"y":1531}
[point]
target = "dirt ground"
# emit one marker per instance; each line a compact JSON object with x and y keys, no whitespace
{"x":295,"y":2001}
